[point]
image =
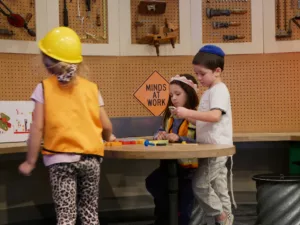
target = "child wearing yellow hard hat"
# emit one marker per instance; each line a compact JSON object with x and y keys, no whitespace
{"x":70,"y":117}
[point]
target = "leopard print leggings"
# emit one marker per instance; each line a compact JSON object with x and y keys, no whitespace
{"x":75,"y":190}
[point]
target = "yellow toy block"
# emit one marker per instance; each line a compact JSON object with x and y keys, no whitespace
{"x":113,"y":143}
{"x":140,"y":141}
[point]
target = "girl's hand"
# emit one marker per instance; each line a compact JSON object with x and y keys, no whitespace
{"x":172,"y":137}
{"x":26,"y":168}
{"x":161,"y":135}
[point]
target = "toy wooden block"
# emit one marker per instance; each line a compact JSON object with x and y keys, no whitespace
{"x":113,"y":143}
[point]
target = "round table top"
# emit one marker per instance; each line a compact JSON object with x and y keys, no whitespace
{"x":171,"y":151}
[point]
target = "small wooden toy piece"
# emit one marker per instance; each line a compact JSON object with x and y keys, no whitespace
{"x":128,"y":142}
{"x":113,"y":143}
{"x":156,"y":143}
{"x":166,"y":34}
{"x":140,"y":141}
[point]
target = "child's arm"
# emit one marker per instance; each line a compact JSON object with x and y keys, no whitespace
{"x":219,"y":101}
{"x":34,"y":141}
{"x":192,"y":115}
{"x":106,"y":124}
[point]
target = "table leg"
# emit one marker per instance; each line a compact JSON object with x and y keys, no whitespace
{"x":173,"y":191}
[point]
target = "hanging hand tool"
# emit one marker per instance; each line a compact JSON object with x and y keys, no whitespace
{"x":232,"y":37}
{"x":6,"y":32}
{"x":27,"y":20}
{"x":78,"y":10}
{"x":287,"y":32}
{"x":104,"y":9}
{"x":15,"y":20}
{"x":88,"y":8}
{"x":31,"y":3}
{"x":65,"y":13}
{"x":217,"y":25}
{"x":98,"y":20}
{"x":223,"y":12}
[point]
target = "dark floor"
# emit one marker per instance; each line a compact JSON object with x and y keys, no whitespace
{"x":244,"y":215}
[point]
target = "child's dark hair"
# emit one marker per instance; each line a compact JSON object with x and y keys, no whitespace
{"x":209,"y":61}
{"x":192,"y":97}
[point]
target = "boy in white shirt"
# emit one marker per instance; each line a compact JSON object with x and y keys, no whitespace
{"x":213,"y":126}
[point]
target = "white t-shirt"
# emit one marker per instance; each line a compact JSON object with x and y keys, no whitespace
{"x":217,"y":97}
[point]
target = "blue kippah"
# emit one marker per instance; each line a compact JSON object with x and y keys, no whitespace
{"x":212,"y":49}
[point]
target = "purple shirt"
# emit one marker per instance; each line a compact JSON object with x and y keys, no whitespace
{"x":38,"y":96}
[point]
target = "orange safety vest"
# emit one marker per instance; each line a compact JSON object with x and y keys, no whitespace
{"x":186,"y":129}
{"x":72,"y":118}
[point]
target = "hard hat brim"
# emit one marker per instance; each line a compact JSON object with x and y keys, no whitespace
{"x":41,"y":47}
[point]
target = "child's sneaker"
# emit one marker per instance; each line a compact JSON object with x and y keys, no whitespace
{"x":228,"y":221}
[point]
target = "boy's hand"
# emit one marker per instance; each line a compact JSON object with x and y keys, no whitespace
{"x":181,"y":112}
{"x":26,"y":168}
{"x":172,"y":137}
{"x":161,"y":135}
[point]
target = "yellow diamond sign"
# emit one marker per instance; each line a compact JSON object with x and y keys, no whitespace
{"x":154,"y":93}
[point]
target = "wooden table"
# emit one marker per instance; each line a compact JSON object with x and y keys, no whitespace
{"x":170,"y":154}
{"x":10,"y":148}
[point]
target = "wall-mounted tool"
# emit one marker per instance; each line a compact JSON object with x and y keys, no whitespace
{"x":232,"y":37}
{"x":88,"y":7}
{"x":6,"y":32}
{"x":31,"y":3}
{"x":92,"y":36}
{"x":152,"y":7}
{"x":98,"y":20}
{"x":280,"y":33}
{"x":217,"y":25}
{"x":104,"y":9}
{"x":27,"y":20}
{"x":166,"y":34}
{"x":65,"y":14}
{"x":15,"y":20}
{"x":210,"y":12}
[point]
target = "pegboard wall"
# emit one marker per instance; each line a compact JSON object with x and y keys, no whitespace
{"x":86,"y":26}
{"x":171,"y":14}
{"x":264,"y":88}
{"x":213,"y":32}
{"x":22,"y":8}
{"x":287,"y":18}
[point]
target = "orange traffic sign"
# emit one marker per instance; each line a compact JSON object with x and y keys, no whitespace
{"x":154,"y":93}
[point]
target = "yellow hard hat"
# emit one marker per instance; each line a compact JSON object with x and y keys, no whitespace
{"x":63,"y":44}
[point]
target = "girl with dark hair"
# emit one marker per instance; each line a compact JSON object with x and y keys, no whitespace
{"x":183,"y":92}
